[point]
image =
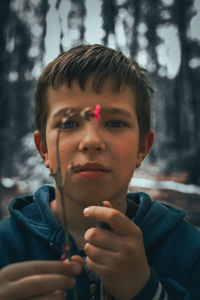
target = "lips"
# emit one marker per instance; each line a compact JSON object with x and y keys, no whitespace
{"x":92,"y":171}
{"x":92,"y":167}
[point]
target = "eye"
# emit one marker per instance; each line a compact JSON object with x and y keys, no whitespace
{"x":69,"y":124}
{"x":116,"y":124}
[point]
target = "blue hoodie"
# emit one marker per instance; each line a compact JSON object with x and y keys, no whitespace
{"x":172,"y":245}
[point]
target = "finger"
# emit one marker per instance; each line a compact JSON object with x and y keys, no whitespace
{"x":117,"y":220}
{"x":23,"y":269}
{"x":58,"y":295}
{"x":103,"y":224}
{"x":96,"y":268}
{"x":77,"y":259}
{"x":107,"y":204}
{"x":99,"y":255}
{"x":102,"y":238}
{"x":39,"y":285}
{"x":76,"y":264}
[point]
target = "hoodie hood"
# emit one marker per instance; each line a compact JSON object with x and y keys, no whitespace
{"x":34,"y":212}
{"x":155,"y":219}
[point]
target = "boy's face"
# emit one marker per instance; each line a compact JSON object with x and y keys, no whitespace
{"x":108,"y":150}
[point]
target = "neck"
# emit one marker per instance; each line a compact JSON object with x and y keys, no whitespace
{"x":75,"y":222}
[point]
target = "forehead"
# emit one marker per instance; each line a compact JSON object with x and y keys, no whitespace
{"x":119,"y":103}
{"x":76,"y":98}
{"x":108,"y":92}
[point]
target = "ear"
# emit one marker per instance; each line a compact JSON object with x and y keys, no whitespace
{"x":144,"y":147}
{"x":41,"y":147}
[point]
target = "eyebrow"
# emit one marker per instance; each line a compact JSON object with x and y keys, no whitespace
{"x":116,"y":110}
{"x":63,"y":110}
{"x":113,"y":110}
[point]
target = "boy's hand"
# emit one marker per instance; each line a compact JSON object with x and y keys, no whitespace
{"x":39,"y":280}
{"x":117,"y":257}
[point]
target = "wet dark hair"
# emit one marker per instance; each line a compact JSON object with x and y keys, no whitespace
{"x":99,"y":63}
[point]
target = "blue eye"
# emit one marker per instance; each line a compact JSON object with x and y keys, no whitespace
{"x":69,"y":124}
{"x":116,"y":124}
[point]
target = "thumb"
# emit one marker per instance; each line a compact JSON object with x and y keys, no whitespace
{"x":107,"y":204}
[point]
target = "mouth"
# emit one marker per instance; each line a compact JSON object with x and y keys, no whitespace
{"x":92,"y":170}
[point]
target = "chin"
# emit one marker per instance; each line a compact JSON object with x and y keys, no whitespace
{"x":89,"y":199}
{"x":94,"y":201}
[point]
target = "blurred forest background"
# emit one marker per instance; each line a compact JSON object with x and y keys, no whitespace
{"x":162,"y":35}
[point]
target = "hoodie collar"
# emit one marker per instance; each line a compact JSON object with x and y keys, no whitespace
{"x":154,"y":218}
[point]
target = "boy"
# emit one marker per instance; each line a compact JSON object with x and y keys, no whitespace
{"x":146,"y":250}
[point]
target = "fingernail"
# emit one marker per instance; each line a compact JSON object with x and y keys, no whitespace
{"x":86,"y":211}
{"x":61,"y":293}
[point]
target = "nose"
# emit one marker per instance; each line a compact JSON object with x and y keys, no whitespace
{"x":91,"y":139}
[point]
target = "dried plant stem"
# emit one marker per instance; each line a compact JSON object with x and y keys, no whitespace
{"x":87,"y":114}
{"x":60,"y":185}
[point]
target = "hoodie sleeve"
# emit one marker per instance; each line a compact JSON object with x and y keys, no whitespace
{"x":163,"y":289}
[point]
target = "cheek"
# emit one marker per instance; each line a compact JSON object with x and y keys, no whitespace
{"x":52,"y":153}
{"x":127,"y":147}
{"x":52,"y":157}
{"x":127,"y":156}
{"x":67,"y":150}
